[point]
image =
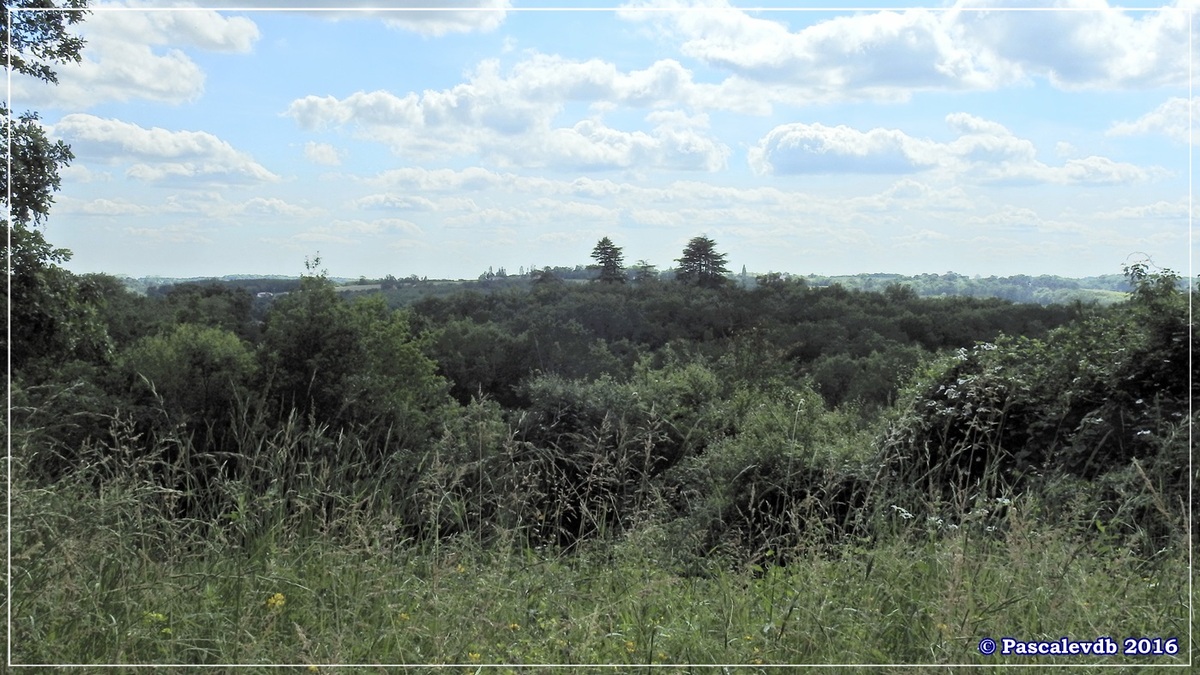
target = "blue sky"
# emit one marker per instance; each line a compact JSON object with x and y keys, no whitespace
{"x":212,"y":142}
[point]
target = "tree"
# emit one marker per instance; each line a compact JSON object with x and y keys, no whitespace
{"x":198,"y":371}
{"x":701,"y":265}
{"x":610,"y":260}
{"x":644,"y":272}
{"x":50,"y":312}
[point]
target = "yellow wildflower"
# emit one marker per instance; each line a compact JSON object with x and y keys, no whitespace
{"x":154,"y":617}
{"x":276,"y":601}
{"x":514,"y":626}
{"x":630,"y":646}
{"x":474,"y":656}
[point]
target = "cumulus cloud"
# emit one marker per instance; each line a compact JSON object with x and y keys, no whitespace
{"x":274,"y":207}
{"x":984,"y":152}
{"x":421,"y":17}
{"x":887,"y":55}
{"x":1157,"y":211}
{"x":1020,"y":219}
{"x":322,"y":153}
{"x":378,"y":231}
{"x":1170,"y":119}
{"x":441,"y":180}
{"x":392,"y":201}
{"x":1099,"y":49}
{"x":174,"y":234}
{"x":816,"y":148}
{"x":156,"y":153}
{"x":102,"y":207}
{"x":880,"y":55}
{"x":910,"y":194}
{"x":132,"y":55}
{"x":510,"y":118}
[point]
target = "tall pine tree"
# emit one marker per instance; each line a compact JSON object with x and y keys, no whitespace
{"x":610,"y":262}
{"x":701,"y":265}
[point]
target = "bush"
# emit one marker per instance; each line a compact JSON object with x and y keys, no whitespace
{"x":1099,"y":398}
{"x":790,"y":476}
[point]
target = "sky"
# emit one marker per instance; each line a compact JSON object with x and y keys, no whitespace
{"x":971,"y":137}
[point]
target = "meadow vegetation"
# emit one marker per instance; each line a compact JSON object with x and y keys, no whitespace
{"x":652,"y":473}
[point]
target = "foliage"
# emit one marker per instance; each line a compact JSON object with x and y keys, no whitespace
{"x":701,"y":265}
{"x":481,"y":360}
{"x":1094,"y":397}
{"x":790,"y":475}
{"x":611,"y":262}
{"x":40,"y":39}
{"x":349,"y":364}
{"x":49,"y":310}
{"x":196,"y":372}
{"x":212,"y":305}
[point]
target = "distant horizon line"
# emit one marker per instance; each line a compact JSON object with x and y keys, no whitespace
{"x":236,"y":276}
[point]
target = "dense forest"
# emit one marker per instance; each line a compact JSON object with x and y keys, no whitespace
{"x":615,"y":465}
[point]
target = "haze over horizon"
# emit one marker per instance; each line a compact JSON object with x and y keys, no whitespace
{"x":440,"y":144}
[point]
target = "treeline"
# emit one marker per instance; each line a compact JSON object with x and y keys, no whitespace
{"x":855,"y":345}
{"x":1043,"y":289}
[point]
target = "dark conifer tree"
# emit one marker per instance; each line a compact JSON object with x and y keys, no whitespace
{"x":610,"y":262}
{"x":701,"y":265}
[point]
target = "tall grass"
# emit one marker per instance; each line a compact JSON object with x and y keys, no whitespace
{"x":327,"y":548}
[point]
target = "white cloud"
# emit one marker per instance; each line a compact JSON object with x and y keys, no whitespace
{"x":591,"y":145}
{"x":376,"y":226}
{"x":468,"y":16}
{"x":887,"y":55}
{"x":392,"y":201}
{"x":440,"y":180}
{"x":189,"y":26}
{"x":815,"y":148}
{"x":909,"y":195}
{"x":78,"y":173}
{"x":488,"y":216}
{"x":921,"y":237}
{"x":880,"y":55}
{"x":355,"y":231}
{"x":174,"y":234}
{"x":101,"y":207}
{"x":657,"y":217}
{"x":1065,"y":149}
{"x":1169,"y":119}
{"x":554,"y":211}
{"x":1101,"y":49}
{"x":984,"y":152}
{"x":1020,"y":219}
{"x":322,"y":153}
{"x":1160,"y":210}
{"x":210,"y":206}
{"x":510,"y":119}
{"x":157,"y":153}
{"x":274,"y":207}
{"x":132,"y":55}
